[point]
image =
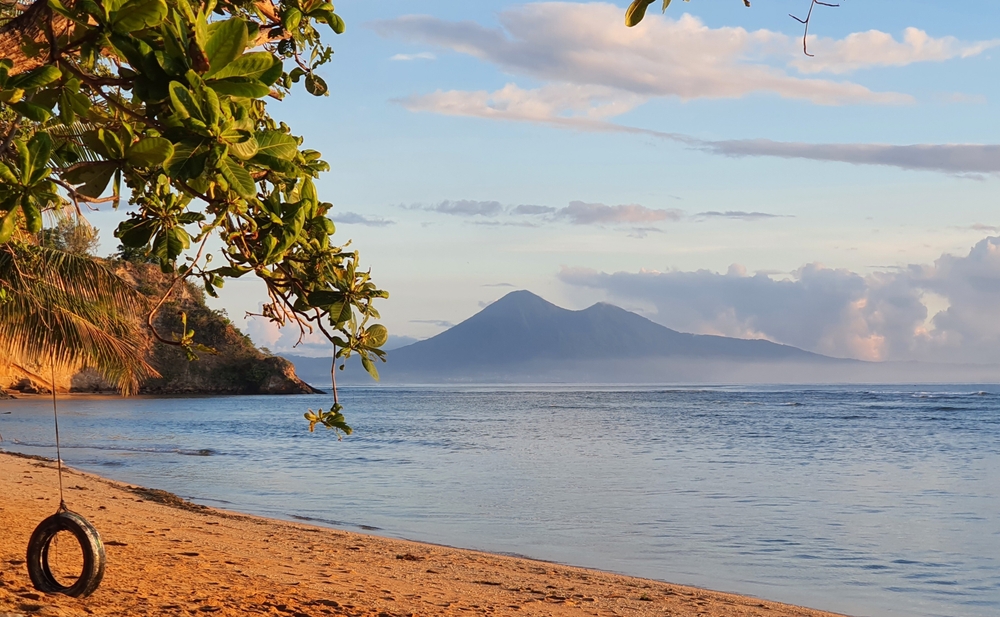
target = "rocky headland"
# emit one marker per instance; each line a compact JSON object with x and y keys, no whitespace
{"x":236,"y":367}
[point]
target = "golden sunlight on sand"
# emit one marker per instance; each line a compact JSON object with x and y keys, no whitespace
{"x":169,"y":557}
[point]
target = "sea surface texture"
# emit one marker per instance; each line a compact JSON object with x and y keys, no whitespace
{"x":863,"y":500}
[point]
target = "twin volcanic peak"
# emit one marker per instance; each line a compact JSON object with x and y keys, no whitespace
{"x":522,"y":327}
{"x":522,"y":338}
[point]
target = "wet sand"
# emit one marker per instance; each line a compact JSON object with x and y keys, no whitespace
{"x":168,"y":557}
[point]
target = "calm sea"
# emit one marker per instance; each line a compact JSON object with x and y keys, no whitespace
{"x":863,"y":500}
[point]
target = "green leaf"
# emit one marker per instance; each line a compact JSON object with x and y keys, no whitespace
{"x":331,"y":19}
{"x":32,"y":112}
{"x":291,"y":19}
{"x":239,"y":178}
{"x":370,"y":367}
{"x":35,"y":78}
{"x":32,"y":215}
{"x":9,"y":222}
{"x":377,"y":335}
{"x":135,"y":234}
{"x":242,"y":87}
{"x":277,"y":144}
{"x":112,"y":144}
{"x":244,"y":150}
{"x":231,"y":272}
{"x":183,"y":102}
{"x":6,"y":175}
{"x":321,"y":299}
{"x":636,"y":11}
{"x":178,"y":240}
{"x":138,"y":15}
{"x":149,"y":152}
{"x":252,"y":65}
{"x":275,"y":164}
{"x":340,"y":313}
{"x":40,"y":149}
{"x":94,"y":177}
{"x":190,"y":217}
{"x":187,"y":161}
{"x":272,"y":74}
{"x":315,"y":85}
{"x":228,"y":40}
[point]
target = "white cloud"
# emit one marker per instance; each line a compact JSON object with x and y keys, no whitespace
{"x":353,"y":218}
{"x":949,"y":158}
{"x":466,"y":207}
{"x":571,"y":44}
{"x":591,"y":73}
{"x":424,"y":55}
{"x":576,"y":213}
{"x":546,"y":104}
{"x":945,"y":311}
{"x":266,"y":333}
{"x":580,"y":213}
{"x":862,"y":50}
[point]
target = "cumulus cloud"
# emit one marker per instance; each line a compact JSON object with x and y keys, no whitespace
{"x":862,"y":50}
{"x":881,"y":316}
{"x":591,"y":73}
{"x":353,"y":218}
{"x":570,"y":44}
{"x":266,"y":333}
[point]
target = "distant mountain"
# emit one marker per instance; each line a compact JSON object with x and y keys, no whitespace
{"x":523,"y":338}
{"x":523,"y":327}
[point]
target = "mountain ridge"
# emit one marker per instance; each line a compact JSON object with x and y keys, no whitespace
{"x":524,"y":338}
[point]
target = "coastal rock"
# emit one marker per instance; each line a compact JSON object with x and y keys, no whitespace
{"x":234,"y":366}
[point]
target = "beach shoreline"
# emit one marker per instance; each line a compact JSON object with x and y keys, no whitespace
{"x":167,"y":556}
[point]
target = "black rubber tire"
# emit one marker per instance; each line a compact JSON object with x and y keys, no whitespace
{"x":93,"y":555}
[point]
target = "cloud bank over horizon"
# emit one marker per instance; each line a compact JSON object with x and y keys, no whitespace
{"x":945,"y":311}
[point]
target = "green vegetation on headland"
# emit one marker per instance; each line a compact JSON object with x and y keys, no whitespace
{"x":237,"y":367}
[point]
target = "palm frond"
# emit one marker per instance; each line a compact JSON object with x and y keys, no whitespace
{"x":70,"y":311}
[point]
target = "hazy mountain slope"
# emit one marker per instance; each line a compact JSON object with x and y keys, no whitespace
{"x":523,"y":338}
{"x":522,"y":326}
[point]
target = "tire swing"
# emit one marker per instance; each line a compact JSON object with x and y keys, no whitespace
{"x":64,"y":520}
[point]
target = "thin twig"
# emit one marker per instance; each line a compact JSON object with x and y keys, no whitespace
{"x":806,"y":22}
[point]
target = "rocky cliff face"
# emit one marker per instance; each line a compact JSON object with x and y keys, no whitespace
{"x":237,"y":367}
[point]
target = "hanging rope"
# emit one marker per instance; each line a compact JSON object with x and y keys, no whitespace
{"x":64,"y":520}
{"x":55,"y":417}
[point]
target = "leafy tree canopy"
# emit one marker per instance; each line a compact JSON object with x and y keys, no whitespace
{"x":164,"y":103}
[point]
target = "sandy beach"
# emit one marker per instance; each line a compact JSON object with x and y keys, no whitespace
{"x":169,"y":557}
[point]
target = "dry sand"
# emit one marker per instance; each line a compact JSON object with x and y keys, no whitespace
{"x":168,"y":557}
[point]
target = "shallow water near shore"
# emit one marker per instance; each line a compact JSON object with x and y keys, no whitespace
{"x":865,"y":500}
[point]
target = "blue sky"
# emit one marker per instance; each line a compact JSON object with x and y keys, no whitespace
{"x":481,"y":147}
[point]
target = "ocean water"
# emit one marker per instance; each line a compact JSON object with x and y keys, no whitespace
{"x":876,"y":501}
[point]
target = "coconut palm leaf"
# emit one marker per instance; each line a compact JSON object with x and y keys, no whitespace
{"x":70,"y":311}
